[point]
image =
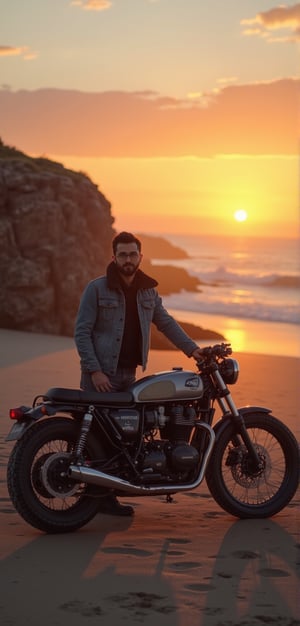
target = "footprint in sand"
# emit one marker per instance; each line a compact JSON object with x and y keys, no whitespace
{"x":140,"y":603}
{"x":270,"y":572}
{"x":178,"y":540}
{"x":126,"y":550}
{"x":212,"y":514}
{"x":86,"y":609}
{"x":199,"y":587}
{"x":245,"y":554}
{"x":184,"y":565}
{"x":198,"y":495}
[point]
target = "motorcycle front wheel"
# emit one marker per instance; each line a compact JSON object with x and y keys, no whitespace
{"x":244,"y":490}
{"x":38,"y":482}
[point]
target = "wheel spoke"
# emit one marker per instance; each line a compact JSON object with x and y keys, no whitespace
{"x":48,"y":480}
{"x":240,"y":477}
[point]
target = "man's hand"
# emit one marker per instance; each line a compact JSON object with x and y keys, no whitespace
{"x":197,"y":354}
{"x":100,"y":381}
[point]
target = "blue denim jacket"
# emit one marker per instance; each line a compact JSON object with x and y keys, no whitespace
{"x":100,"y":322}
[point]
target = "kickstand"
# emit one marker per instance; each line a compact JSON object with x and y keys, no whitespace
{"x":169,"y":498}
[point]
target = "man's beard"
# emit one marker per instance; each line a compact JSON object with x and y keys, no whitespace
{"x":128,"y":269}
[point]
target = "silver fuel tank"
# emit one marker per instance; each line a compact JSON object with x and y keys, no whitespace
{"x":175,"y":384}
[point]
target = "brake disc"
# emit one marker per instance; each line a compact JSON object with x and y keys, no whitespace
{"x":243,"y":471}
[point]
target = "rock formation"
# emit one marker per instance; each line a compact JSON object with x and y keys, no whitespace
{"x":55,"y":236}
{"x":155,"y":247}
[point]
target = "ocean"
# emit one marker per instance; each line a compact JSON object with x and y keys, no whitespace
{"x":250,"y":290}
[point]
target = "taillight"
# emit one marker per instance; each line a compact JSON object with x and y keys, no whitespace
{"x":18,"y":413}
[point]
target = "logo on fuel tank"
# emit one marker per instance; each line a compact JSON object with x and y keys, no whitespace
{"x":193,"y":382}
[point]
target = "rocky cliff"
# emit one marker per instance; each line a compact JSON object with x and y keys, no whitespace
{"x":55,"y":235}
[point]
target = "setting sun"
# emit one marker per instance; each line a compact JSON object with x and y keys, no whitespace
{"x":241,"y":215}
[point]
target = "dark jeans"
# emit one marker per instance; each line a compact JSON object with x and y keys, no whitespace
{"x":123,"y":378}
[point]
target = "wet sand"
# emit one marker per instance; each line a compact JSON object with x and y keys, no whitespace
{"x":186,"y":563}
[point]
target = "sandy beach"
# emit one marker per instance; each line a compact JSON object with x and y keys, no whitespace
{"x":182,"y":564}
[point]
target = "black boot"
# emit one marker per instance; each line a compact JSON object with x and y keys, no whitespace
{"x":109,"y":505}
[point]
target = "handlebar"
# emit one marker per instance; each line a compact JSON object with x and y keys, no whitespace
{"x":220,"y":349}
{"x":212,"y":353}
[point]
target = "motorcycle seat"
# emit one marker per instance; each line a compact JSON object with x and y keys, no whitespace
{"x":77,"y":396}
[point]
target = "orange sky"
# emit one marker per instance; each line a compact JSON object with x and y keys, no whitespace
{"x":190,"y":194}
{"x":181,"y":118}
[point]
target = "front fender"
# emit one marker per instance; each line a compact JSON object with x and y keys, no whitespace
{"x":223,"y":423}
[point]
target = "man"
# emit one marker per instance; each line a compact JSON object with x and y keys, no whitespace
{"x":112,"y":331}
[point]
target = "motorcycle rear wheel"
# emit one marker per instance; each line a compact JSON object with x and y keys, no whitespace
{"x":237,"y":486}
{"x":37,"y":480}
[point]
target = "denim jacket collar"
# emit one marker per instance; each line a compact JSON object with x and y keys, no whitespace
{"x":142,"y":280}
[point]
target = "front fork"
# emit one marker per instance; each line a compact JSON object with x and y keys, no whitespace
{"x":226,"y":405}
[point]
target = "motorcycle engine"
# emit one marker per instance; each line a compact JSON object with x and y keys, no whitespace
{"x":183,"y":456}
{"x":172,"y":453}
{"x":165,"y":457}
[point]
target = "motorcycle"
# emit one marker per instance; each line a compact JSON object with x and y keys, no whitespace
{"x":156,"y":438}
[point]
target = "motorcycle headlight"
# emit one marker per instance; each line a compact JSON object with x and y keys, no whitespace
{"x":229,"y":370}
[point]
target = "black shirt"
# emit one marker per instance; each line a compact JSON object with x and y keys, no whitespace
{"x":130,"y":354}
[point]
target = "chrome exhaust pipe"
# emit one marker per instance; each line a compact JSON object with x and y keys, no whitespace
{"x":84,"y":474}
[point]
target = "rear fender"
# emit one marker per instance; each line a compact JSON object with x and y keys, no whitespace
{"x":224,"y":422}
{"x":31,"y":416}
{"x":18,"y":429}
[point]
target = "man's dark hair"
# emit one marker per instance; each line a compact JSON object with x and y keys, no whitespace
{"x":125,"y":237}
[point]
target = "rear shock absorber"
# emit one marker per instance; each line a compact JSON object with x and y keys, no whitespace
{"x":84,"y":431}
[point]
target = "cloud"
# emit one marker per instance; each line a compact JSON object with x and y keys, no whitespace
{"x":92,"y":5}
{"x":248,"y":119}
{"x":6,"y":51}
{"x":29,"y":56}
{"x":23,"y":51}
{"x":97,"y":5}
{"x":281,"y":18}
{"x":227,"y":79}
